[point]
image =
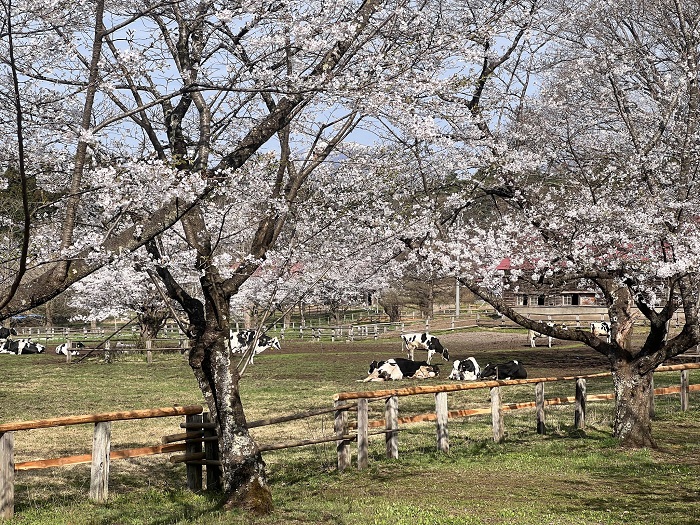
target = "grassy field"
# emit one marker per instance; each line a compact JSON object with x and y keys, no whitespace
{"x":564,"y":477}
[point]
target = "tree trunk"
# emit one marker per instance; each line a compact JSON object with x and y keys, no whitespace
{"x":243,"y":469}
{"x":632,"y":406}
{"x":48,"y":313}
{"x":393,"y":311}
{"x":150,"y":323}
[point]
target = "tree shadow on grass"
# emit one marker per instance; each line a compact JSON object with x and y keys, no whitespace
{"x":140,"y":491}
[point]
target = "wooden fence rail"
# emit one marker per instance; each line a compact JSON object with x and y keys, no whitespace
{"x":101,"y":453}
{"x":442,"y":414}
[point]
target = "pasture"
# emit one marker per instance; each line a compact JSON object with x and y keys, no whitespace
{"x":567,"y":476}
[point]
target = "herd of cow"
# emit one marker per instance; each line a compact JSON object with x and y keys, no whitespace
{"x":239,"y":342}
{"x":27,"y":346}
{"x":393,"y":369}
{"x":462,"y":369}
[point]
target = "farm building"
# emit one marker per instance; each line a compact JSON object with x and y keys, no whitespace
{"x":529,"y":295}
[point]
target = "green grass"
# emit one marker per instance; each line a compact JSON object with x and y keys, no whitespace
{"x":564,"y":477}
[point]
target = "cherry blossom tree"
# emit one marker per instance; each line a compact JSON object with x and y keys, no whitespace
{"x":599,"y":186}
{"x":238,"y":123}
{"x":119,"y":290}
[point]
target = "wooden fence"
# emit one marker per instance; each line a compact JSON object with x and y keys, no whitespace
{"x":199,"y":443}
{"x":441,"y":415}
{"x":101,"y":449}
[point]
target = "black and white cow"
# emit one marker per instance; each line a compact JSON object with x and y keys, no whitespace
{"x":7,"y":332}
{"x":601,"y":329}
{"x":465,"y":370}
{"x":532,"y":334}
{"x":399,"y":368}
{"x":510,"y":370}
{"x":63,"y":348}
{"x":21,"y":346}
{"x":423,"y":341}
{"x":239,"y":342}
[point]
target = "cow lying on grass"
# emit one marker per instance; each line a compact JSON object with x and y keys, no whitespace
{"x":64,"y":347}
{"x":21,"y":346}
{"x":399,"y":368}
{"x":465,"y":370}
{"x":7,"y":332}
{"x":510,"y":370}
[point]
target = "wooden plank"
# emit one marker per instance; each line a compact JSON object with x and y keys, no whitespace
{"x":580,"y":408}
{"x":291,"y":444}
{"x":451,"y":387}
{"x":87,"y":458}
{"x":652,"y":399}
{"x":98,"y":418}
{"x":443,"y":440}
{"x":203,"y":426}
{"x":539,"y":405}
{"x":211,"y":454}
{"x":497,"y":415}
{"x":99,"y":471}
{"x":183,"y":436}
{"x":456,"y":387}
{"x":194,"y":472}
{"x":183,"y":458}
{"x":362,"y":439}
{"x":684,"y":390}
{"x":340,"y":426}
{"x":391,"y":424}
{"x":300,"y":415}
{"x":7,"y":475}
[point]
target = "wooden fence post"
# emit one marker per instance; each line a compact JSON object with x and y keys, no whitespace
{"x":391,"y":419}
{"x":539,"y":408}
{"x":443,"y":441}
{"x":7,"y":475}
{"x":99,"y":472}
{"x":69,"y":347}
{"x":342,"y":445}
{"x":685,"y":390}
{"x":362,"y":438}
{"x":149,"y":353}
{"x":580,"y":407}
{"x":497,"y":414}
{"x":652,"y":406}
{"x":194,"y":471}
{"x":211,"y":453}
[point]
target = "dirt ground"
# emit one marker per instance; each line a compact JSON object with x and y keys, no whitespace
{"x":564,"y":358}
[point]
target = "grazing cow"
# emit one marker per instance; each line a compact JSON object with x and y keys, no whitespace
{"x":63,"y":348}
{"x":21,"y":346}
{"x":7,"y":332}
{"x":510,"y":370}
{"x":423,"y":341}
{"x":239,"y":342}
{"x":602,"y":329}
{"x":465,"y":370}
{"x":532,"y":334}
